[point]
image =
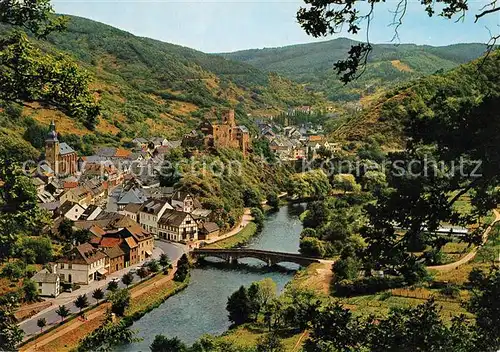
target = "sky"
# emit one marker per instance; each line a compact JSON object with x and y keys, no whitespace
{"x":225,"y":26}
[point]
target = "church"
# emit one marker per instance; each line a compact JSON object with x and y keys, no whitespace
{"x":61,"y":158}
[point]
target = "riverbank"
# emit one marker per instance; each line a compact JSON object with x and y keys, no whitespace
{"x":237,"y":240}
{"x":145,"y":296}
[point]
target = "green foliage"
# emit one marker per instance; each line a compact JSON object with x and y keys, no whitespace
{"x":62,"y":311}
{"x":41,"y":247}
{"x":310,"y":184}
{"x":98,"y":294}
{"x":312,"y":247}
{"x":30,"y":291}
{"x":182,"y":269}
{"x":239,"y":307}
{"x":81,"y":302}
{"x":106,"y":337}
{"x":273,"y":200}
{"x":112,"y":286}
{"x":10,"y":334}
{"x":153,"y":266}
{"x":120,"y":300}
{"x":346,"y":183}
{"x":142,"y":273}
{"x":258,"y":218}
{"x":270,"y":343}
{"x":162,"y":343}
{"x":311,"y":64}
{"x":127,"y":278}
{"x":13,"y":270}
{"x":41,"y":323}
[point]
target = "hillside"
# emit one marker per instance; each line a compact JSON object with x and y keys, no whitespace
{"x":312,"y":64}
{"x":386,"y":118}
{"x":146,"y":87}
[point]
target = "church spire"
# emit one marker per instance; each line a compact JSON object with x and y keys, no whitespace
{"x":52,"y":135}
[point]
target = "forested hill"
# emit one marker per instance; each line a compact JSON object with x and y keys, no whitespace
{"x":147,"y":87}
{"x":388,"y":64}
{"x":388,"y":118}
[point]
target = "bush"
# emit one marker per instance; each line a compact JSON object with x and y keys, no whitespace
{"x":450,"y":290}
{"x":312,"y":247}
{"x":367,"y":285}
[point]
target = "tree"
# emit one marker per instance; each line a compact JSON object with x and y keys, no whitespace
{"x":270,"y":343}
{"x":13,"y":270}
{"x":182,"y":269}
{"x":142,"y":273}
{"x":260,"y":293}
{"x":238,"y":307}
{"x":346,"y":268}
{"x":19,"y":212}
{"x":153,"y":266}
{"x":251,"y":198}
{"x":128,"y":278}
{"x":98,"y":294}
{"x":373,"y":180}
{"x":273,"y":200}
{"x":345,"y":182}
{"x":81,"y":302}
{"x":30,"y":291}
{"x":41,"y":323}
{"x":112,"y":286}
{"x":10,"y":333}
{"x":120,"y":300}
{"x":485,"y":305}
{"x":258,"y":218}
{"x":322,"y":18}
{"x":310,"y":246}
{"x":63,"y":312}
{"x":66,"y":229}
{"x":81,"y":236}
{"x":40,"y":246}
{"x":165,"y":261}
{"x":162,"y":343}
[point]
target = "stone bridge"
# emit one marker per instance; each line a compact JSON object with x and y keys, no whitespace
{"x":268,"y":257}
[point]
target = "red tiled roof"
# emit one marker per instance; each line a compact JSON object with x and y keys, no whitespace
{"x":70,"y":184}
{"x":122,"y":153}
{"x":109,"y":241}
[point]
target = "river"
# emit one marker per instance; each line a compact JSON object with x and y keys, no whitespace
{"x":201,"y":307}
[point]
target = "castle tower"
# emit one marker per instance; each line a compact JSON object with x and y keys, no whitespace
{"x":228,"y":118}
{"x":52,"y":148}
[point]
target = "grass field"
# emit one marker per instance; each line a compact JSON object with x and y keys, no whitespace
{"x":237,"y":240}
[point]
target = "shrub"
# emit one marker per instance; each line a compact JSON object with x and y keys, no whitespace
{"x":310,"y":246}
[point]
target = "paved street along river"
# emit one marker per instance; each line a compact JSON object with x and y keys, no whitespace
{"x":201,"y":308}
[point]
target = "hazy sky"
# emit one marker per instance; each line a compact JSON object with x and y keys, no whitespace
{"x":218,"y":26}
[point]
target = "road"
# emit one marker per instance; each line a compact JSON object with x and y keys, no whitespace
{"x":471,"y":254}
{"x":173,"y":250}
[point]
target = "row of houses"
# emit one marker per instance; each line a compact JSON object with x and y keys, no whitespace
{"x":116,"y":243}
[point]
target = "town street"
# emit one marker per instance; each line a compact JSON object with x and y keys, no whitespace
{"x":29,"y":326}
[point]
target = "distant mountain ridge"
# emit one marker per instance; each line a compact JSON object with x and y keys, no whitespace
{"x":388,"y":64}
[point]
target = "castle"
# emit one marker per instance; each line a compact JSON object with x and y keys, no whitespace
{"x":61,"y":158}
{"x":227,"y":134}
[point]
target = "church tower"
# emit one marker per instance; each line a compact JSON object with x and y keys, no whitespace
{"x":52,"y":148}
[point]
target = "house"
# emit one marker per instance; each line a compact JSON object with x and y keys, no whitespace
{"x":115,"y":259}
{"x":91,"y":213}
{"x":151,"y":212}
{"x":132,"y":211}
{"x":140,"y":142}
{"x":113,"y":153}
{"x":80,"y":195}
{"x":208,"y":231}
{"x":144,"y":240}
{"x":70,"y":210}
{"x":82,"y":265}
{"x":178,"y":226}
{"x":126,"y":242}
{"x":183,"y":201}
{"x":48,"y":282}
{"x":60,"y":157}
{"x":132,"y":196}
{"x":159,"y":142}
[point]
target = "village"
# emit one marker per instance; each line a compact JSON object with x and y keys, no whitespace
{"x":115,"y":197}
